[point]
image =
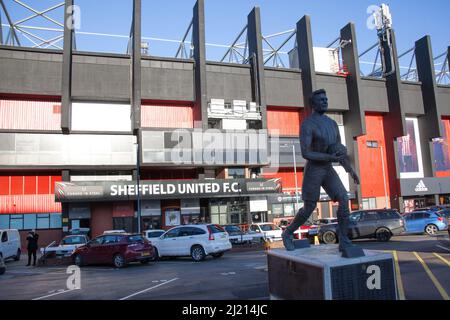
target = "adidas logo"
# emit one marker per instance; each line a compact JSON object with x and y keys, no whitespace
{"x":421,"y":187}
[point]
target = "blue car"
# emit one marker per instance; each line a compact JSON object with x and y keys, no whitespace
{"x":429,"y":222}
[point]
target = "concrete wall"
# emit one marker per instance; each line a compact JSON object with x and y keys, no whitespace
{"x":375,"y":97}
{"x":443,"y":96}
{"x":336,"y":88}
{"x":167,"y":80}
{"x":30,"y":72}
{"x":101,"y":78}
{"x":284,"y":87}
{"x":228,"y":81}
{"x":412,"y":98}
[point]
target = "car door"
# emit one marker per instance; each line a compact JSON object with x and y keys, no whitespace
{"x":185,"y":240}
{"x":168,"y":243}
{"x":414,"y":222}
{"x":108,"y":248}
{"x":368,"y":223}
{"x":93,"y":252}
{"x":6,"y":248}
{"x":354,"y":229}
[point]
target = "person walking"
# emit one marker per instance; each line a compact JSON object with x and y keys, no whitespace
{"x":32,"y":246}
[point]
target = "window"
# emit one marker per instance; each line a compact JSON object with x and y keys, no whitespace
{"x":236,"y":173}
{"x":29,"y":221}
{"x":389,"y":215}
{"x":5,"y":236}
{"x":4,"y":221}
{"x":73,"y":240}
{"x":215,"y":228}
{"x":136,"y":238}
{"x":277,"y":209}
{"x":371,"y":216}
{"x":355,"y":216}
{"x":196,"y":231}
{"x":172,"y":233}
{"x":43,"y":221}
{"x":372,"y":144}
{"x":110,"y":239}
{"x":98,"y":240}
{"x":16,"y":221}
{"x":184,"y":232}
{"x":55,"y":221}
{"x":369,"y":203}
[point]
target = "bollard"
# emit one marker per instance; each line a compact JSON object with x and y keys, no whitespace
{"x":316,"y":241}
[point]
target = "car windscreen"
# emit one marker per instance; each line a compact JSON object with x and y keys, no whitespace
{"x":154,"y":234}
{"x":214,"y":228}
{"x":73,"y":240}
{"x":135,"y":238}
{"x":268,"y":227}
{"x":232,"y":229}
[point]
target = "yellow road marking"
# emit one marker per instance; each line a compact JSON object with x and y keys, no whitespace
{"x":401,"y":292}
{"x":442,"y":258}
{"x":433,"y":278}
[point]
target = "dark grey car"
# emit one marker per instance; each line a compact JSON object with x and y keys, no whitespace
{"x":378,"y":224}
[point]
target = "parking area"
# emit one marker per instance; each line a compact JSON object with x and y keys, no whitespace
{"x":422,"y":261}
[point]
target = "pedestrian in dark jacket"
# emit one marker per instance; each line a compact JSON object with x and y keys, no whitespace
{"x":32,"y":246}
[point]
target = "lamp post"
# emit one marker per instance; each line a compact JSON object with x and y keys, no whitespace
{"x":138,"y":174}
{"x":295,"y":175}
{"x":384,"y":178}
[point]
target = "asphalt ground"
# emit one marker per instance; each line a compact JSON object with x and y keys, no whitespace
{"x":422,"y":261}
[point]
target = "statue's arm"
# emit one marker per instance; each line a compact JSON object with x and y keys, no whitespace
{"x":306,"y":138}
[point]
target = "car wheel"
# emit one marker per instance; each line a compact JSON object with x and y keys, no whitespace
{"x":17,"y":257}
{"x":217,"y":255}
{"x":329,"y":237}
{"x":155,"y":255}
{"x":119,"y":261}
{"x":78,"y":260}
{"x":197,"y":253}
{"x":383,"y":235}
{"x":431,"y":229}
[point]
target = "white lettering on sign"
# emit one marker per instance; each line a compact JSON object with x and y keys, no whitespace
{"x":374,"y":281}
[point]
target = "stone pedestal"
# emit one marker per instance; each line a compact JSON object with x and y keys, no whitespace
{"x":320,"y":273}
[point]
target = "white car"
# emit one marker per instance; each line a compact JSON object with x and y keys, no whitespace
{"x":66,"y":246}
{"x":270,"y":231}
{"x":10,"y":244}
{"x":153,"y":233}
{"x":196,"y":241}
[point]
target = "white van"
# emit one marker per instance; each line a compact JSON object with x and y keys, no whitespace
{"x":10,"y":244}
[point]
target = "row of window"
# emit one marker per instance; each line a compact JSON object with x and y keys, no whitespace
{"x":31,"y":221}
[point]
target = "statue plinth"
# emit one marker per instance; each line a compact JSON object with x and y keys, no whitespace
{"x":320,"y":273}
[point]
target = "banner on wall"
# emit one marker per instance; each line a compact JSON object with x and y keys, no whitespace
{"x":175,"y":189}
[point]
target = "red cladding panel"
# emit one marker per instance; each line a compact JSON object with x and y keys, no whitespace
{"x":17,"y":184}
{"x":54,"y":179}
{"x":370,"y":161}
{"x":167,"y":116}
{"x":44,"y":203}
{"x":4,"y":185}
{"x":43,"y":185}
{"x":30,"y":184}
{"x":285,"y":121}
{"x":287,"y":176}
{"x":30,"y":115}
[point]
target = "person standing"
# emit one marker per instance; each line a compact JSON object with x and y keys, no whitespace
{"x":32,"y":246}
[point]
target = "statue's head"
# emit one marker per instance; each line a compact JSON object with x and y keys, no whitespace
{"x":319,"y":101}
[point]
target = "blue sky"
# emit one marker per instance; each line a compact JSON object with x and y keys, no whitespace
{"x":224,"y":19}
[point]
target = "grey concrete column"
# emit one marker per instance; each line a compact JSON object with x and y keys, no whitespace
{"x":430,"y":125}
{"x":136,"y":65}
{"x":394,"y":126}
{"x":396,"y":115}
{"x":354,"y":119}
{"x":198,"y":38}
{"x":257,"y":62}
{"x":305,"y":55}
{"x":65,"y":206}
{"x":66,"y":82}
